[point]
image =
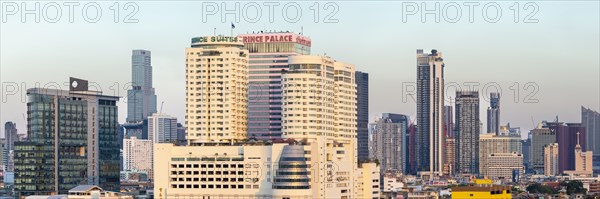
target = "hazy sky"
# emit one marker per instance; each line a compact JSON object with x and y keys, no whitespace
{"x":554,"y":60}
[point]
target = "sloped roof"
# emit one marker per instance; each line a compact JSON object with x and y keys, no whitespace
{"x":84,"y":188}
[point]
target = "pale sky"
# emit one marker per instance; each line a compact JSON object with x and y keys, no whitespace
{"x":556,"y":60}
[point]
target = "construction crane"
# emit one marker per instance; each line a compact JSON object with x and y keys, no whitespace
{"x":161,"y":106}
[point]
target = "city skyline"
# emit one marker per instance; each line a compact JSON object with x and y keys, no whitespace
{"x":169,"y":69}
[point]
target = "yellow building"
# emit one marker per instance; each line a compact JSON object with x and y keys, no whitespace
{"x":481,"y":191}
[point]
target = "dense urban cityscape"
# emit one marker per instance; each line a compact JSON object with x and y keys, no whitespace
{"x":267,"y":117}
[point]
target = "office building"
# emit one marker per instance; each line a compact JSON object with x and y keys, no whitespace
{"x":137,"y":155}
{"x":362,"y":110}
{"x":412,"y":160}
{"x":551,"y":159}
{"x":526,"y":150}
{"x":216,"y":90}
{"x":72,"y":140}
{"x":540,"y":137}
{"x":268,"y":56}
{"x":566,"y":137}
{"x":492,"y":143}
{"x":501,"y":166}
{"x":181,"y":140}
{"x":429,"y":152}
{"x":590,"y":119}
{"x":11,"y":136}
{"x":493,"y":114}
{"x":388,"y":142}
{"x":467,"y":132}
{"x":162,"y":128}
{"x":448,"y":122}
{"x":141,"y":100}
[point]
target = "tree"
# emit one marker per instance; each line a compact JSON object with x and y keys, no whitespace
{"x":573,"y":187}
{"x":539,"y":188}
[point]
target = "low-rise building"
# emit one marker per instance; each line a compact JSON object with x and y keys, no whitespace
{"x":483,"y":191}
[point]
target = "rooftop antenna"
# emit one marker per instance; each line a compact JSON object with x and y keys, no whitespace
{"x":215,"y":32}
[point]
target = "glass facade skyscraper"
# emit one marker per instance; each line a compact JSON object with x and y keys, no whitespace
{"x":72,"y":140}
{"x":493,"y":114}
{"x":429,"y":137}
{"x":269,"y":54}
{"x":141,"y":100}
{"x":362,"y":111}
{"x":467,"y":132}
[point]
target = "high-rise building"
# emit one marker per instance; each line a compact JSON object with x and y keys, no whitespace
{"x":362,"y":110}
{"x":526,"y":150}
{"x":566,"y":137}
{"x":181,"y":140}
{"x":389,"y":142}
{"x":11,"y":136}
{"x":540,"y":137}
{"x":315,"y":159}
{"x":269,"y":54}
{"x":490,"y":143}
{"x":467,"y":132}
{"x":507,"y":130}
{"x":591,"y":121}
{"x":412,"y":160}
{"x":448,"y":122}
{"x":216,"y":90}
{"x":551,"y":159}
{"x":502,"y":166}
{"x":429,"y":138}
{"x":162,"y":128}
{"x":450,"y":165}
{"x":137,"y":155}
{"x":141,"y":100}
{"x":72,"y":140}
{"x":449,"y":147}
{"x":319,"y":105}
{"x":493,"y":114}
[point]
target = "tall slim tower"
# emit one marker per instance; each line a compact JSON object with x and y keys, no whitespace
{"x":493,"y":114}
{"x":141,"y":99}
{"x":467,"y":132}
{"x":362,"y":105}
{"x":269,"y":54}
{"x":216,"y":90}
{"x":429,"y":137}
{"x":10,"y":136}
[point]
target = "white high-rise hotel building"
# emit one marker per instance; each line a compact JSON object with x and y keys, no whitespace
{"x":316,"y":159}
{"x":216,"y":90}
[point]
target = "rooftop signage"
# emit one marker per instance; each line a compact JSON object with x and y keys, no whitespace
{"x":276,"y":38}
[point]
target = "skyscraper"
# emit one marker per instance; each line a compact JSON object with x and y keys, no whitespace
{"x":540,"y":137}
{"x":72,"y":140}
{"x":141,"y":100}
{"x":429,"y":137}
{"x":10,"y":136}
{"x":362,"y":110}
{"x":450,"y":144}
{"x":591,"y":121}
{"x":467,"y":132}
{"x":216,"y":90}
{"x":493,"y":114}
{"x":319,"y":106}
{"x":389,"y":142}
{"x":269,"y":54}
